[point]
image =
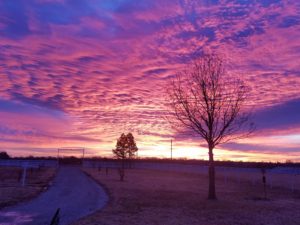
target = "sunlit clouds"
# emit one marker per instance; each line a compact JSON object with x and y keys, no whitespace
{"x":79,"y":73}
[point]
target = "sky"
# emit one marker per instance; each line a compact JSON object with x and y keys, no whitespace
{"x":78,"y":73}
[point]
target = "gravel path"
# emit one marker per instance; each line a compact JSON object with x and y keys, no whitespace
{"x":72,"y":191}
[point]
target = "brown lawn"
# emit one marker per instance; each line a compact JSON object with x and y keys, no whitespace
{"x":11,"y":190}
{"x":165,"y":198}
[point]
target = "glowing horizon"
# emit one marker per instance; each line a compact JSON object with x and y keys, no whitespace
{"x":81,"y":73}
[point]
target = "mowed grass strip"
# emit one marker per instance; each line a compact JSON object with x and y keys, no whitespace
{"x":11,"y":190}
{"x":165,"y":198}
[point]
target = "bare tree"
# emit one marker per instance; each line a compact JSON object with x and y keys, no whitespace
{"x":210,"y":103}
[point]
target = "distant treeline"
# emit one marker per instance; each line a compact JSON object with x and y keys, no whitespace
{"x":225,"y":163}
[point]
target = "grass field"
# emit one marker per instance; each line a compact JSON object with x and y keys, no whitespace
{"x":161,"y":197}
{"x":11,"y":190}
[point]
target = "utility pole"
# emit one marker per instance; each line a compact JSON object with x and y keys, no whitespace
{"x":171,"y":150}
{"x":58,"y":157}
{"x":83,"y":152}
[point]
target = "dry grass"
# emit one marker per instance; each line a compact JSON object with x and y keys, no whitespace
{"x":160,"y":197}
{"x":287,"y":181}
{"x":11,"y":190}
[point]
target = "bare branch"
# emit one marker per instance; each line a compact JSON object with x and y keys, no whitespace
{"x":207,"y":101}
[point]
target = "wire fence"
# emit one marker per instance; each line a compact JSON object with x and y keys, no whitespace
{"x":281,"y":177}
{"x":16,"y":172}
{"x":278,"y":177}
{"x":27,"y":163}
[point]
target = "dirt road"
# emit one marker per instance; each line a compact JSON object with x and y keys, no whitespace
{"x":72,"y":191}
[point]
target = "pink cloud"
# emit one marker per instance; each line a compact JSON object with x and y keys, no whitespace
{"x":107,"y":71}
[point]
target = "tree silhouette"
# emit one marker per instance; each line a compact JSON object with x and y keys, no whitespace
{"x":206,"y":101}
{"x":4,"y":155}
{"x":125,"y":149}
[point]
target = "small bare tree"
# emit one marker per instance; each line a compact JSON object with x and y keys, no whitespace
{"x":211,"y":104}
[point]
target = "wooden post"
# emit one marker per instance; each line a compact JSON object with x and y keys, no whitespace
{"x":225,"y":175}
{"x":24,"y":176}
{"x":293,"y":182}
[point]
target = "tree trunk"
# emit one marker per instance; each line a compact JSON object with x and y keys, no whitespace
{"x":211,"y":176}
{"x":122,"y":171}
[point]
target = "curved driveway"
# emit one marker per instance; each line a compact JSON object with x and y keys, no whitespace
{"x":76,"y":195}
